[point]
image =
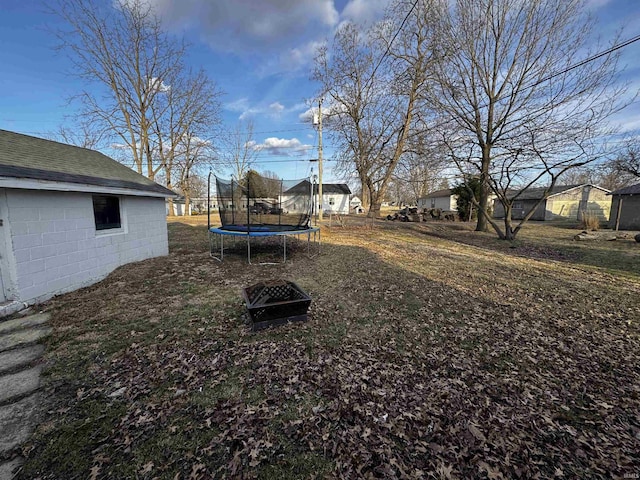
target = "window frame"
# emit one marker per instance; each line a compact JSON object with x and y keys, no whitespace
{"x":104,"y":228}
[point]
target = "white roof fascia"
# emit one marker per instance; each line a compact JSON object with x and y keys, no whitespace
{"x":31,"y":184}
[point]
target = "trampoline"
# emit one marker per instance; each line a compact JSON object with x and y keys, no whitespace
{"x":257,"y":208}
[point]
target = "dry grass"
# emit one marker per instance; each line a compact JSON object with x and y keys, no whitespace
{"x":590,"y":221}
{"x":432,"y":351}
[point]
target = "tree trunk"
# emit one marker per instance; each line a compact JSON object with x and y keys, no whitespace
{"x":187,"y":203}
{"x":374,"y":210}
{"x":483,"y":224}
{"x":169,"y":200}
{"x":365,"y":193}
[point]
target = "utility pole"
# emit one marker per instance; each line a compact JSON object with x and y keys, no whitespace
{"x":320,"y":157}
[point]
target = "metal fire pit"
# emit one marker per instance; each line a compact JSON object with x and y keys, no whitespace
{"x":275,"y":303}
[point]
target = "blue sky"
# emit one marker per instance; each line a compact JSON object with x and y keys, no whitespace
{"x":258,"y":51}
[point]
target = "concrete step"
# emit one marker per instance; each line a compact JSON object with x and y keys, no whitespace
{"x":10,"y":307}
{"x":7,"y":326}
{"x":8,"y":469}
{"x":12,"y":360}
{"x":17,"y":385}
{"x":21,"y":338}
{"x":17,"y":421}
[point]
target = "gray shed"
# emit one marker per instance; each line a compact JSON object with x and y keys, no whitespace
{"x":625,"y":208}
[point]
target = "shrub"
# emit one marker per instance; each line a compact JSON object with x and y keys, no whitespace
{"x":590,"y":221}
{"x":464,"y":197}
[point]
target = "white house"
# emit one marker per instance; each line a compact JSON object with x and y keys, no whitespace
{"x":335,"y":197}
{"x":68,"y":217}
{"x":442,"y":199}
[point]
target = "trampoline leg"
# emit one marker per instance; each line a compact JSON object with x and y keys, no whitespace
{"x":249,"y":249}
{"x":211,"y":246}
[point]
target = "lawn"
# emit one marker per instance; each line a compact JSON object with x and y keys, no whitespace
{"x":432,"y":351}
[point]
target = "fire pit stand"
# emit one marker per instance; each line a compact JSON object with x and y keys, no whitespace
{"x":275,"y":303}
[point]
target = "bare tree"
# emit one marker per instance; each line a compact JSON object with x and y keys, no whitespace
{"x":606,"y":174}
{"x":193,"y":155}
{"x":421,"y":168}
{"x":182,"y":119}
{"x":80,"y":135}
{"x":576,"y":176}
{"x":238,"y":152}
{"x":375,"y":79}
{"x":512,"y":110}
{"x":142,"y":96}
{"x":628,"y":162}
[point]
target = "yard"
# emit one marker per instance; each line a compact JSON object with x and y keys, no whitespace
{"x":431,"y":352}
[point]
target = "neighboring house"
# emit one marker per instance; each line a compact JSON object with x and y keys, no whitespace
{"x":563,"y":202}
{"x":625,"y":208}
{"x":196,"y":205}
{"x":356,"y":205}
{"x":178,"y":206}
{"x":69,"y":216}
{"x":442,"y":199}
{"x":335,"y":197}
{"x":199,"y":204}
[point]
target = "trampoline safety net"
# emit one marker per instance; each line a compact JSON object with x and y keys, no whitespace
{"x":265,"y":204}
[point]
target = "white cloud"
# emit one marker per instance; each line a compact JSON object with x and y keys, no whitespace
{"x":242,"y":105}
{"x":273,"y":110}
{"x":155,"y":83}
{"x":628,"y":122}
{"x":365,"y":11}
{"x":242,"y":25}
{"x":596,"y":4}
{"x":276,"y":108}
{"x":327,"y":110}
{"x":299,"y":57}
{"x":282,"y":146}
{"x":285,"y":33}
{"x":239,"y":105}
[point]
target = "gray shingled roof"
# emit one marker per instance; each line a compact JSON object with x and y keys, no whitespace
{"x":26,"y":157}
{"x":446,"y":192}
{"x":536,"y":193}
{"x":630,"y":190}
{"x":327,"y":188}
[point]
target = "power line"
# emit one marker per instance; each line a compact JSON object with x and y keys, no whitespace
{"x":388,"y":49}
{"x":569,"y":68}
{"x":226,"y":133}
{"x":588,"y":60}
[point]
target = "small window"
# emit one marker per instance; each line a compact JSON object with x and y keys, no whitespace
{"x":433,"y":203}
{"x":106,"y":211}
{"x":332,"y":201}
{"x":517,"y":205}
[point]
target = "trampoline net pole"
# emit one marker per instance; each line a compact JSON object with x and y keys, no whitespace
{"x":233,"y":205}
{"x":280,"y":204}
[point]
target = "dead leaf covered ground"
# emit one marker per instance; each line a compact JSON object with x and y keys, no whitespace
{"x":431,"y":352}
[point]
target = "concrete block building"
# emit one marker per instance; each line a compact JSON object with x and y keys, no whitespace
{"x":69,"y":216}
